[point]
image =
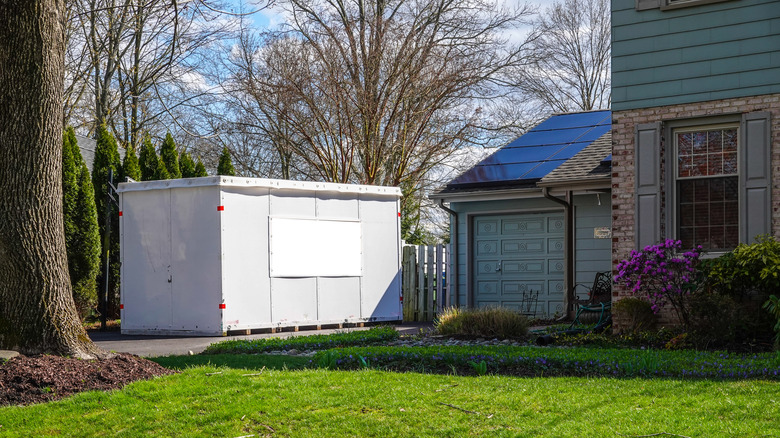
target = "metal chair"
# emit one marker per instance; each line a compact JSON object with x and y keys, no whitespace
{"x":599,"y":298}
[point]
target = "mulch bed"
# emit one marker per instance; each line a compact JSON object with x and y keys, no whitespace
{"x":35,"y":379}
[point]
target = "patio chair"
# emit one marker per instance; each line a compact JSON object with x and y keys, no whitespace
{"x":599,"y":298}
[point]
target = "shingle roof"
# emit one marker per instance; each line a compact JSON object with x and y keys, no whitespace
{"x":592,"y":163}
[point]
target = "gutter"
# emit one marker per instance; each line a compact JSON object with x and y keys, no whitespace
{"x":568,"y":245}
{"x":453,"y":254}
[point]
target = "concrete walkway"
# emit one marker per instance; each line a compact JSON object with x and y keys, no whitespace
{"x":149,"y":346}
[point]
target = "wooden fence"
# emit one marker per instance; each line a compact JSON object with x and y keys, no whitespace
{"x":426,"y":278}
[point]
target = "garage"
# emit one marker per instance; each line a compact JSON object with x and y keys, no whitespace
{"x":515,"y":254}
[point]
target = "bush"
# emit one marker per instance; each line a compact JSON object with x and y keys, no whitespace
{"x":633,"y":314}
{"x":488,"y":322}
{"x":772,"y":305}
{"x":747,"y":269}
{"x":663,"y":274}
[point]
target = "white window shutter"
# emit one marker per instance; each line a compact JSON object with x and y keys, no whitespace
{"x":647,"y":165}
{"x":755,"y":176}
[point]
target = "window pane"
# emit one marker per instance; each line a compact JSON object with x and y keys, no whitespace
{"x":716,"y":189}
{"x":717,"y":238}
{"x":700,"y":142}
{"x":731,"y":213}
{"x":717,"y":214}
{"x":685,"y":144}
{"x":730,"y":163}
{"x":686,"y":191}
{"x":731,"y":188}
{"x":714,"y":142}
{"x":732,"y":237}
{"x":730,"y":140}
{"x":715,"y":164}
{"x":701,"y":190}
{"x":701,"y":216}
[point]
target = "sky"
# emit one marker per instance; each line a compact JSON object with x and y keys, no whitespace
{"x":272,"y":16}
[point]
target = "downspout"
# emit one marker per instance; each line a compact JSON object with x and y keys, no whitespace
{"x":568,"y":246}
{"x":453,"y":254}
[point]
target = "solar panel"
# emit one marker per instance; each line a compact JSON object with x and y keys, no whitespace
{"x":541,"y":150}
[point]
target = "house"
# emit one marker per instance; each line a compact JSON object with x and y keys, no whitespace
{"x":533,"y":216}
{"x":695,"y":123}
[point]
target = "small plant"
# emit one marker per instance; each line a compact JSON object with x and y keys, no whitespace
{"x":489,"y":322}
{"x":663,"y":274}
{"x":479,"y":367}
{"x":634,"y":314}
{"x":328,"y":360}
{"x":364,"y":363}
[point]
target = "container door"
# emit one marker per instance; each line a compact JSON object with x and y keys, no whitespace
{"x":146,"y":261}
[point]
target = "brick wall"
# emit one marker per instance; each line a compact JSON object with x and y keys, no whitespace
{"x":623,"y":126}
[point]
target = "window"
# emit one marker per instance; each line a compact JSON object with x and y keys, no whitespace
{"x":707,"y":183}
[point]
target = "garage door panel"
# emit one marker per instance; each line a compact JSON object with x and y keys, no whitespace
{"x":555,"y":246}
{"x":555,"y":267}
{"x":487,"y":227}
{"x":555,"y":224}
{"x":486,"y":303}
{"x":522,"y":246}
{"x":488,"y":267}
{"x":516,"y":289}
{"x":488,"y":288}
{"x":488,"y":247}
{"x":555,"y":289}
{"x":511,"y":227}
{"x":554,"y":307}
{"x":510,"y":267}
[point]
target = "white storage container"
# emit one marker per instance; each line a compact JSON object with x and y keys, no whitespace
{"x":206,"y":256}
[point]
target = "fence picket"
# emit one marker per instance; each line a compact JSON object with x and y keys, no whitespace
{"x":426,"y":280}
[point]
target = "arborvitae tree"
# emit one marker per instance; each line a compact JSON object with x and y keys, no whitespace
{"x":130,"y":167}
{"x":170,"y":157}
{"x":186,"y":165}
{"x":200,"y":169}
{"x":148,"y":161}
{"x":82,"y":241}
{"x":162,"y":171}
{"x":70,"y":188}
{"x":225,"y":166}
{"x":107,"y":157}
{"x":84,"y":263}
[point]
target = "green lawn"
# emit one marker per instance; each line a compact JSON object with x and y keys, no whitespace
{"x":211,"y":400}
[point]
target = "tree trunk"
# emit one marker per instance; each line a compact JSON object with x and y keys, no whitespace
{"x":37,"y":313}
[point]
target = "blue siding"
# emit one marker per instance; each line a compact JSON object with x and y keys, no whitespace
{"x":705,"y":52}
{"x":591,"y":255}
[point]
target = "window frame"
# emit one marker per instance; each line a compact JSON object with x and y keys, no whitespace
{"x":671,"y":203}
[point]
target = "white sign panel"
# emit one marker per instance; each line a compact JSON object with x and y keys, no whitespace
{"x":315,"y":248}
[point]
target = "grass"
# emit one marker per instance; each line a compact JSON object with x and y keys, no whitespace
{"x":374,"y":335}
{"x":490,"y":322}
{"x":232,"y":402}
{"x":540,"y":361}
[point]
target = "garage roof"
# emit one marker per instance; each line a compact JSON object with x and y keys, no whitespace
{"x":538,"y":152}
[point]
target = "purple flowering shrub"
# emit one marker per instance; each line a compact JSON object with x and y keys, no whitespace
{"x":662,"y":274}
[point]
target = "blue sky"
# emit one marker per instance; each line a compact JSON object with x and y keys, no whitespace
{"x":266,"y":17}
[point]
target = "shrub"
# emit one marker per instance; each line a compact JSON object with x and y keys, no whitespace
{"x":746,"y":269}
{"x":663,"y":274}
{"x":773,"y":306}
{"x":489,"y":322}
{"x":634,"y":314}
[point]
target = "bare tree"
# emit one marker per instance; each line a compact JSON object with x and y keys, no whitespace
{"x":374,"y":92}
{"x":37,"y":313}
{"x":571,"y":69}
